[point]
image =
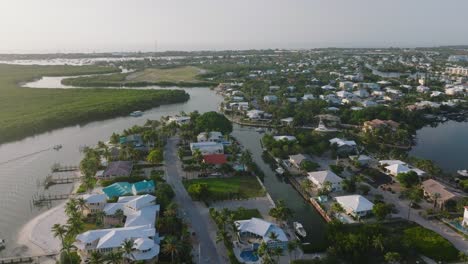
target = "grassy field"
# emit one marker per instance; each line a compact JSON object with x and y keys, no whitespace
{"x":186,"y":76}
{"x":175,"y":75}
{"x":231,"y":188}
{"x":27,"y":111}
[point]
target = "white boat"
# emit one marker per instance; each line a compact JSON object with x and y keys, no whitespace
{"x":463,"y":173}
{"x":259,"y":130}
{"x":136,"y":113}
{"x":2,"y":243}
{"x":299,"y":228}
{"x":280,"y":171}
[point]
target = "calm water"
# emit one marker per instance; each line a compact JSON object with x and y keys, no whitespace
{"x":279,"y":189}
{"x":446,"y":144}
{"x":20,"y":178}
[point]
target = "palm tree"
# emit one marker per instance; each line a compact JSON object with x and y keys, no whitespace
{"x":71,"y":206}
{"x":100,"y":217}
{"x":119,"y":214}
{"x":171,"y":246}
{"x":75,"y":224}
{"x":96,"y":257}
{"x":114,"y":257}
{"x":127,"y":247}
{"x":378,"y":242}
{"x":246,"y":158}
{"x":81,"y":204}
{"x":67,"y":248}
{"x":60,"y":231}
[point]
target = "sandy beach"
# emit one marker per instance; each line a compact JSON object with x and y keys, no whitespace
{"x":37,"y":236}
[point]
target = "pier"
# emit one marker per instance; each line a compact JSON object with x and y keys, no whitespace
{"x":59,"y":168}
{"x":26,"y":259}
{"x":50,"y":180}
{"x":41,"y":199}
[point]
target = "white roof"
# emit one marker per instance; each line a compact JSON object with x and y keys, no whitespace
{"x":113,"y":237}
{"x":397,"y":168}
{"x":391,"y":162}
{"x":288,"y":138}
{"x":141,"y":201}
{"x":328,"y":87}
{"x":360,"y":157}
{"x":287,"y":119}
{"x":342,"y":142}
{"x":261,"y":228}
{"x":324,"y":176}
{"x":94,"y":198}
{"x":355,"y":202}
{"x":146,"y":216}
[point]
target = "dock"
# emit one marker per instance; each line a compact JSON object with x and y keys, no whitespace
{"x":26,"y":259}
{"x":41,"y":199}
{"x":51,"y":180}
{"x":60,"y":168}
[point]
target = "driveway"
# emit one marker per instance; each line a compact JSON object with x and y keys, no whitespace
{"x":402,"y":206}
{"x":195,"y":214}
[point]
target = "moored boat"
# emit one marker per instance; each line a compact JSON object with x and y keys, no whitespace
{"x":57,"y":147}
{"x":463,"y":173}
{"x":280,"y":171}
{"x":2,"y":243}
{"x":299,"y":229}
{"x":136,"y":113}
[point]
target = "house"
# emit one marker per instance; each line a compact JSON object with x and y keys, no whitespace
{"x":291,"y":100}
{"x":140,"y":214}
{"x":344,"y":145}
{"x":308,"y":97}
{"x":287,"y":121}
{"x":274,"y":88}
{"x":391,"y":162}
{"x":372,"y":86}
{"x":291,"y":89}
{"x":355,"y":205}
{"x":438,"y":193}
{"x":213,"y":136}
{"x":118,"y":169}
{"x":179,"y":120}
{"x":124,"y":188}
{"x":215,"y":159}
{"x":384,"y":83}
{"x":369,"y":103}
{"x":94,"y":203}
{"x":261,"y":229}
{"x":344,"y":94}
{"x":296,"y":160}
{"x":328,"y":87}
{"x":422,"y":89}
{"x":286,"y":138}
{"x":207,"y":148}
{"x":396,"y":169}
{"x":361,"y":93}
{"x":270,"y":99}
{"x":133,"y":140}
{"x":255,"y":114}
{"x":361,"y":159}
{"x":346,"y":85}
{"x":370,"y":126}
{"x":319,"y":178}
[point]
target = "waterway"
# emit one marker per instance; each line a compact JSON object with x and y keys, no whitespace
{"x":446,"y":144}
{"x":20,"y":178}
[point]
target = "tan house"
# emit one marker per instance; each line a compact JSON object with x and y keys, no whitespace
{"x":370,"y":126}
{"x":438,"y":193}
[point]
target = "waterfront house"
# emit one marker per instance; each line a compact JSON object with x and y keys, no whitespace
{"x":179,"y":120}
{"x":343,"y":145}
{"x":207,"y":148}
{"x":396,"y":169}
{"x":256,"y":228}
{"x":355,"y":205}
{"x":118,"y":169}
{"x":372,"y":125}
{"x":438,"y":193}
{"x":319,"y":178}
{"x":255,"y":114}
{"x":94,"y":203}
{"x":391,"y":162}
{"x":134,"y":141}
{"x":286,"y":138}
{"x":124,"y":188}
{"x":296,"y":160}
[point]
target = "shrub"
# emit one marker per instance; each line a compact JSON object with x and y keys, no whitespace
{"x":430,"y":244}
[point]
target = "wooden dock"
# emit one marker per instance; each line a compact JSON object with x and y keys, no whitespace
{"x":60,"y":168}
{"x":26,"y":259}
{"x":41,"y":199}
{"x":50,"y":180}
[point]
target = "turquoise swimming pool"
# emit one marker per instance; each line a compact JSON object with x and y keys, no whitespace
{"x":249,"y":255}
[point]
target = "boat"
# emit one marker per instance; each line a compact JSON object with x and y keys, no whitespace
{"x":463,"y":173}
{"x":136,"y":113}
{"x":57,"y":147}
{"x":280,"y":171}
{"x":259,"y":130}
{"x":2,"y":243}
{"x":299,"y":228}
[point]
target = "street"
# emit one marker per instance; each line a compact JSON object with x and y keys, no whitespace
{"x":201,"y":224}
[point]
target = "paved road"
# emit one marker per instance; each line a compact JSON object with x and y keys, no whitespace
{"x":199,"y":219}
{"x":457,"y":240}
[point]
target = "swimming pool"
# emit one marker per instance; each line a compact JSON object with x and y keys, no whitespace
{"x":249,"y":255}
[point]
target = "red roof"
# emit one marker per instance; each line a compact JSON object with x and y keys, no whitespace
{"x":215,"y":159}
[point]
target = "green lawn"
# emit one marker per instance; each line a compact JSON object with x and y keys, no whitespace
{"x":175,"y":75}
{"x":231,"y":188}
{"x":26,"y":111}
{"x":243,"y":214}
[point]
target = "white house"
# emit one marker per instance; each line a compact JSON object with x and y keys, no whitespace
{"x":361,"y":159}
{"x":255,"y":114}
{"x":319,"y":178}
{"x":259,"y":228}
{"x":207,"y":148}
{"x":355,"y":205}
{"x":422,"y":89}
{"x":343,"y":144}
{"x":308,"y":97}
{"x":180,"y":120}
{"x":296,"y":160}
{"x":328,"y":87}
{"x":213,"y":136}
{"x":396,"y":169}
{"x":391,"y":162}
{"x":94,"y":203}
{"x":465,"y":217}
{"x":287,"y":121}
{"x":270,"y":98}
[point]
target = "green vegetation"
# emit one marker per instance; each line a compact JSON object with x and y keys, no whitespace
{"x":408,"y":179}
{"x":228,"y":188}
{"x":430,"y":244}
{"x":27,"y":111}
{"x":212,"y":121}
{"x":187,"y":76}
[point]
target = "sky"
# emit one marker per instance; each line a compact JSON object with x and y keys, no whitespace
{"x":45,"y":26}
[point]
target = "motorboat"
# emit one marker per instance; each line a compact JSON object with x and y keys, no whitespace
{"x":136,"y":113}
{"x":280,"y":171}
{"x":299,"y":228}
{"x":259,"y":130}
{"x":2,"y":243}
{"x":57,"y":147}
{"x":463,"y":173}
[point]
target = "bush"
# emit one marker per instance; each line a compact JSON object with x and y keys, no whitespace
{"x":430,"y":244}
{"x":308,"y":165}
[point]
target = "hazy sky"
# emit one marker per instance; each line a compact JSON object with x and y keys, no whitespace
{"x":132,"y":25}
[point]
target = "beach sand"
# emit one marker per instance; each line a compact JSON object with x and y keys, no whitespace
{"x":37,"y":236}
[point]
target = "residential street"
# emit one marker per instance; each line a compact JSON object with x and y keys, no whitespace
{"x":195,"y":214}
{"x":436,"y":226}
